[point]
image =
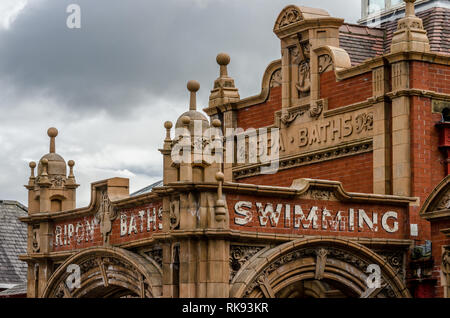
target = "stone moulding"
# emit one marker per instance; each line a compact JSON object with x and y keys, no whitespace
{"x":340,"y":151}
{"x":291,"y":114}
{"x":240,"y":254}
{"x":137,"y":272}
{"x":91,"y":209}
{"x":435,"y":206}
{"x":279,"y":259}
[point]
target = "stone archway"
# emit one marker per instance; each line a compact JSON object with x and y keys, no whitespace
{"x":106,"y":272}
{"x":322,"y":267}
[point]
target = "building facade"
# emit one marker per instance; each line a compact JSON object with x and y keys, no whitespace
{"x":332,"y":182}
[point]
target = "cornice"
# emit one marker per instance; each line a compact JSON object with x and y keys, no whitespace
{"x":307,"y":158}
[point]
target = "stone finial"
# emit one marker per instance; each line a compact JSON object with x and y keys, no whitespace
{"x":43,"y":178}
{"x":223,"y":59}
{"x":32,"y":176}
{"x":168,"y":126}
{"x":409,"y":8}
{"x":32,"y":166}
{"x":220,"y":204}
{"x":224,"y":90}
{"x":71,"y":163}
{"x":216,"y":123}
{"x":410,"y":34}
{"x":52,"y":133}
{"x":193,"y":87}
{"x":185,"y":120}
{"x":44,"y":167}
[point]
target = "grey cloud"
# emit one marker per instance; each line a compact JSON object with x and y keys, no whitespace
{"x":109,"y":87}
{"x":128,"y":52}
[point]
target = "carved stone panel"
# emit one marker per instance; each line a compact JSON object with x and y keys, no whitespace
{"x":106,"y":214}
{"x":444,"y":202}
{"x":239,"y":255}
{"x":325,"y":63}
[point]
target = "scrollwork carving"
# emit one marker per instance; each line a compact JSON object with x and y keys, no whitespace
{"x":364,"y":122}
{"x":323,"y":195}
{"x":325,"y":63}
{"x":239,"y":255}
{"x":156,"y":255}
{"x":290,"y":16}
{"x":58,"y":181}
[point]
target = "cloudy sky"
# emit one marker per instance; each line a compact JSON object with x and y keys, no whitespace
{"x":109,"y":86}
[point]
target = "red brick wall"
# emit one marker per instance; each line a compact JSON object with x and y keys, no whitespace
{"x":427,"y":168}
{"x":430,"y":76}
{"x":260,"y":115}
{"x":427,"y":164}
{"x":355,"y":173}
{"x":439,"y":240}
{"x":345,"y":92}
{"x":85,"y":241}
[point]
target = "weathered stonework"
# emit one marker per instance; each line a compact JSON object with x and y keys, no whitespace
{"x":229,"y":229}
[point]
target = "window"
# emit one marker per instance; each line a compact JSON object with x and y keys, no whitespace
{"x":396,"y":2}
{"x":376,"y":6}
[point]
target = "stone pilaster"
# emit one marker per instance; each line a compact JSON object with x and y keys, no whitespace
{"x":381,"y":138}
{"x":401,"y":131}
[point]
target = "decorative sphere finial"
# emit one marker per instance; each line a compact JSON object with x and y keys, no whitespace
{"x":185,"y":120}
{"x":71,"y":163}
{"x":168,"y":125}
{"x":32,"y":164}
{"x":223,"y":59}
{"x":216,"y":123}
{"x":44,"y":161}
{"x":193,"y":86}
{"x":52,"y":132}
{"x":220,"y":176}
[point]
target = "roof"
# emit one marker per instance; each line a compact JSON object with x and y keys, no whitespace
{"x":147,"y":189}
{"x":17,"y":290}
{"x":362,"y":42}
{"x":13,"y":242}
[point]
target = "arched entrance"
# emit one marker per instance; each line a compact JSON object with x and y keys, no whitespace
{"x":106,"y":272}
{"x":318,"y":268}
